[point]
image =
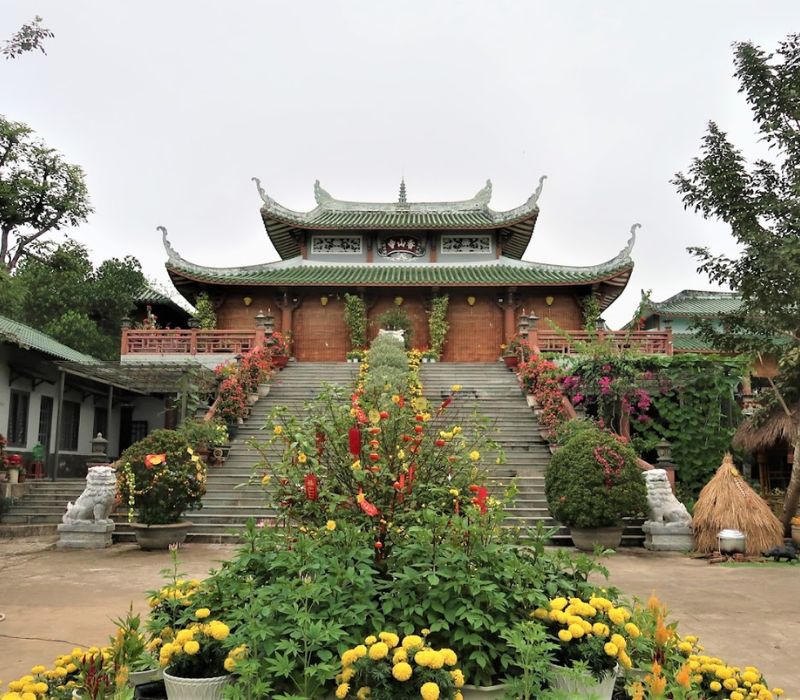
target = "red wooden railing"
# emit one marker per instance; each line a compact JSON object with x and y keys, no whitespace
{"x":650,"y":342}
{"x":189,"y":342}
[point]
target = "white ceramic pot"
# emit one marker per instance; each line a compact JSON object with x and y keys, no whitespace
{"x":13,"y":475}
{"x":263,"y":389}
{"x":252,"y":398}
{"x":731,"y":542}
{"x":138,"y":677}
{"x":583,"y":685}
{"x":490,"y":692}
{"x":194,"y":688}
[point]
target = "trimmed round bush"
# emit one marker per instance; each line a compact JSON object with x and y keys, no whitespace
{"x":594,"y":480}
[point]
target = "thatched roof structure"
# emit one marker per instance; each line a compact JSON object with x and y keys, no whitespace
{"x":728,"y":502}
{"x":759,"y":433}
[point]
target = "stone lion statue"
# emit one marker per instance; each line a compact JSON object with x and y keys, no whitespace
{"x":97,"y":500}
{"x":665,"y":509}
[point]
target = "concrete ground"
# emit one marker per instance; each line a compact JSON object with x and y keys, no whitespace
{"x":54,"y":600}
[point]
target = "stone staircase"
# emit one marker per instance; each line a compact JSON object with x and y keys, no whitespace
{"x":230,"y":501}
{"x":493,"y":391}
{"x":44,"y":504}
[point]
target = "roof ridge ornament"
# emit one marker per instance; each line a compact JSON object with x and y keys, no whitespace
{"x":170,"y":250}
{"x":484,"y":195}
{"x":264,"y":196}
{"x":401,"y":198}
{"x":534,"y":201}
{"x":320,"y":195}
{"x":631,"y":241}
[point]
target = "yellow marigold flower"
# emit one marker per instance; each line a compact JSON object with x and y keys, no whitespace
{"x":539,"y":614}
{"x":278,"y":429}
{"x":36,"y":670}
{"x":402,"y":671}
{"x":42,"y":687}
{"x":342,"y":690}
{"x":449,"y":656}
{"x":370,"y":640}
{"x":619,"y":640}
{"x":455,"y":387}
{"x":330,"y":525}
{"x":716,"y":686}
{"x":191,"y":647}
{"x":576,"y":631}
{"x":364,"y":693}
{"x":435,"y":659}
{"x":600,"y":629}
{"x":429,"y":691}
{"x":265,"y":480}
{"x":611,"y":649}
{"x":624,"y":659}
{"x":632,"y":630}
{"x":412,"y":641}
{"x":302,"y":458}
{"x":474,"y":456}
{"x":422,"y":658}
{"x":617,"y":616}
{"x":391,"y":639}
{"x":219,"y":630}
{"x":399,"y":655}
{"x":378,"y":651}
{"x":458,"y":678}
{"x":736,"y":695}
{"x":360,"y":651}
{"x":202,"y":613}
{"x":558,"y":603}
{"x":229,"y":664}
{"x":730,"y":684}
{"x":184,"y":636}
{"x":564,"y":635}
{"x":349,"y":658}
{"x":347,"y":674}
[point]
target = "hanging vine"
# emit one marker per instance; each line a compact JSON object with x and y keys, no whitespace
{"x":437,"y":323}
{"x":355,"y":316}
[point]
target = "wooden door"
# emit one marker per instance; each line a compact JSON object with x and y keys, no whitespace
{"x":476,"y":330}
{"x":320,"y":333}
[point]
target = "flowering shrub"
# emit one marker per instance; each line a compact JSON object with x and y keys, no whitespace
{"x":232,"y":402}
{"x":594,"y":632}
{"x":384,"y":668}
{"x":276,"y":344}
{"x":161,"y":478}
{"x":542,"y":379}
{"x":594,"y":481}
{"x":255,"y":367}
{"x":203,"y":435}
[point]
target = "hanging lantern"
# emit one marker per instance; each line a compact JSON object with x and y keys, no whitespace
{"x":311,"y":483}
{"x":471,"y":300}
{"x":398,"y":301}
{"x":323,"y":300}
{"x":355,"y":442}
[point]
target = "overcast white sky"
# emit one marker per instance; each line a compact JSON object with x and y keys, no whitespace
{"x":171,"y":108}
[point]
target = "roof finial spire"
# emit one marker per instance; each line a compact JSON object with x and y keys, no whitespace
{"x":402,"y":198}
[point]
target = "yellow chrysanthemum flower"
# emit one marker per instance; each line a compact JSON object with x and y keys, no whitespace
{"x":378,"y":651}
{"x":330,"y":525}
{"x":402,"y":671}
{"x":412,"y":641}
{"x":229,"y":664}
{"x":429,"y":691}
{"x":191,"y":647}
{"x":342,"y":690}
{"x":202,"y":613}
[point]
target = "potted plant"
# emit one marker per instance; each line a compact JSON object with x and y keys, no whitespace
{"x":13,"y":465}
{"x":277,"y":346}
{"x":160,"y":478}
{"x":591,"y":484}
{"x":130,"y":649}
{"x":429,"y":355}
{"x":510,"y":352}
{"x":196,"y":661}
{"x":593,"y":637}
{"x":399,"y":670}
{"x":204,"y":435}
{"x":355,"y":356}
{"x":232,"y":403}
{"x":254,"y":370}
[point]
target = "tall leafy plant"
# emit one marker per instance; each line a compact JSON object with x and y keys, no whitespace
{"x":205,"y":313}
{"x":355,"y":316}
{"x":437,"y":323}
{"x":397,"y":319}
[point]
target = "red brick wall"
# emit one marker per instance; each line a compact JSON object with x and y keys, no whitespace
{"x":476,"y":331}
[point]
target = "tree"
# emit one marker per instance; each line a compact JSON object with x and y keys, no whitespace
{"x":29,"y":37}
{"x":761,"y":204}
{"x":39,"y":192}
{"x":62,"y":294}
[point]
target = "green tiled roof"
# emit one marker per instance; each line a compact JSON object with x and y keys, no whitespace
{"x":335,"y":214}
{"x":691,"y":302}
{"x":688,"y":342}
{"x":149,"y":294}
{"x":27,"y":337}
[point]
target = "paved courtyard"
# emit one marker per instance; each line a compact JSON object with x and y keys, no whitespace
{"x":54,"y":600}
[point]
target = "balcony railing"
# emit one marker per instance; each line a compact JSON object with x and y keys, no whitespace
{"x":189,"y":342}
{"x":649,"y":342}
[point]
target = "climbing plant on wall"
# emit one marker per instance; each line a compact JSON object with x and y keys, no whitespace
{"x":355,"y":316}
{"x":437,"y":323}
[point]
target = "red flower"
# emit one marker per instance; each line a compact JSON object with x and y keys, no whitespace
{"x":151,"y":461}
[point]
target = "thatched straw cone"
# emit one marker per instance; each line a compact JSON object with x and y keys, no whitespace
{"x":727,"y":501}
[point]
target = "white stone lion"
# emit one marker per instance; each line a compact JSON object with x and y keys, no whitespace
{"x":97,"y":500}
{"x":665,"y":509}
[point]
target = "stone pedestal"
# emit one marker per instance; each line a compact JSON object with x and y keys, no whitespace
{"x":83,"y":534}
{"x":667,"y":538}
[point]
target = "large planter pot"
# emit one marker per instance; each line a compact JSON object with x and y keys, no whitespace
{"x":263,"y":390}
{"x":194,"y":688}
{"x":587,"y":538}
{"x":583,"y":685}
{"x":280,"y":361}
{"x":161,"y":536}
{"x":139,"y":677}
{"x":252,"y":397}
{"x":13,"y":475}
{"x":489,"y":692}
{"x":796,"y":535}
{"x":511,"y":361}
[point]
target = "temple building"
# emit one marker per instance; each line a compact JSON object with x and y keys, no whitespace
{"x":401,"y":253}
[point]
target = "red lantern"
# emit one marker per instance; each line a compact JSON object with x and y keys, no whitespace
{"x":365,"y":505}
{"x":312,"y":487}
{"x":355,"y":442}
{"x":320,"y":443}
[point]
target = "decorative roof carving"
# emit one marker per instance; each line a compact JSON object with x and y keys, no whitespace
{"x":321,"y":196}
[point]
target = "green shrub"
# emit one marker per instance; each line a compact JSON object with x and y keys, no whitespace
{"x":594,"y":480}
{"x":164,"y":488}
{"x":355,"y":316}
{"x":204,"y":312}
{"x":437,"y":324}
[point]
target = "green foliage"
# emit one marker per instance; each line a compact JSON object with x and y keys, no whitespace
{"x":397,"y":319}
{"x":205,"y":313}
{"x":437,"y":323}
{"x":355,"y":316}
{"x":29,"y":37}
{"x":164,"y":491}
{"x":388,"y":365}
{"x":594,"y":480}
{"x":60,"y":293}
{"x":533,"y":653}
{"x":39,"y":192}
{"x":204,"y":434}
{"x":297,"y":607}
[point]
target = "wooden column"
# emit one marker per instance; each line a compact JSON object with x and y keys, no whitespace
{"x":107,"y":436}
{"x":509,"y":316}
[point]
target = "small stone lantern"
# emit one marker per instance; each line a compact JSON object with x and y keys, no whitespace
{"x":664,"y":452}
{"x":99,"y":451}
